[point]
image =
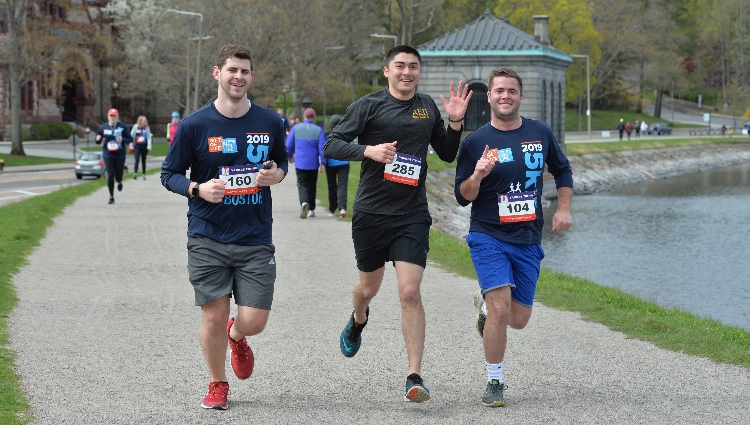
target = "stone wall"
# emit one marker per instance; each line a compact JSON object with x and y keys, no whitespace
{"x":594,"y":173}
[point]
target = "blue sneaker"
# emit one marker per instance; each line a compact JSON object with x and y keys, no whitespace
{"x":351,"y":336}
{"x":415,"y":389}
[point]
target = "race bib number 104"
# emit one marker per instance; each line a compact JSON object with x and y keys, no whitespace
{"x":405,"y":169}
{"x":515,"y":207}
{"x":240,"y":179}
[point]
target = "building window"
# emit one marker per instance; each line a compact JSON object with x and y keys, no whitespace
{"x":55,"y":11}
{"x":46,"y":85}
{"x":27,"y":96}
{"x":544,"y":101}
{"x":553,"y":104}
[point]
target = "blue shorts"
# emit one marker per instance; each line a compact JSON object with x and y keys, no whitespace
{"x":501,"y":264}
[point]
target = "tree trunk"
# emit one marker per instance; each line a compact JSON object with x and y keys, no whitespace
{"x":657,"y":103}
{"x":15,"y":96}
{"x":639,"y":105}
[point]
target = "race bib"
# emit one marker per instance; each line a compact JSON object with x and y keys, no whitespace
{"x":240,"y":179}
{"x":515,"y":207}
{"x":405,"y":169}
{"x":113,"y":146}
{"x":141,"y":139}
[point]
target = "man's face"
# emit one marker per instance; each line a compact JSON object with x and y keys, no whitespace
{"x":112,"y":119}
{"x":234,"y":77}
{"x":504,"y":98}
{"x":403,"y":74}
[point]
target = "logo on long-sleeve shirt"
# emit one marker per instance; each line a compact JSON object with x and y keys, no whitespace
{"x":419,"y":113}
{"x":257,"y":147}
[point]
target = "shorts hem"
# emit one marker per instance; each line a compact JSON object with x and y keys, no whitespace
{"x":208,"y":300}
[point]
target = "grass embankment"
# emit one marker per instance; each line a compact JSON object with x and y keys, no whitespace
{"x":159,"y":147}
{"x":23,"y":226}
{"x":15,"y":160}
{"x":608,"y":120}
{"x":600,"y":147}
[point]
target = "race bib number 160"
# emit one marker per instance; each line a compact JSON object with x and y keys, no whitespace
{"x":240,"y":179}
{"x":405,"y":169}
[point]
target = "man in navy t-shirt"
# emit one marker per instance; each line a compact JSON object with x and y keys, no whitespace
{"x":235,"y":152}
{"x":500,"y":172}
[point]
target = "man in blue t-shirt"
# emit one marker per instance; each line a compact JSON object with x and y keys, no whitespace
{"x":235,"y":152}
{"x":500,"y":172}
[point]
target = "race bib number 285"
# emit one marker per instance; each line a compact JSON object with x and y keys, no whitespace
{"x":405,"y":169}
{"x":240,"y":179}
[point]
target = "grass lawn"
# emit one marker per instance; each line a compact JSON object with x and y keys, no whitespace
{"x":14,"y":160}
{"x":608,"y":120}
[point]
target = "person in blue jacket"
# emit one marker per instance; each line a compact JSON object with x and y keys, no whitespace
{"x":304,"y":145}
{"x":235,"y":152}
{"x":114,"y":136}
{"x":337,"y":175}
{"x":500,"y":172}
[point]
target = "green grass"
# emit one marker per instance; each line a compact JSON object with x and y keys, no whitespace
{"x":608,"y":120}
{"x":23,"y":226}
{"x":159,"y":147}
{"x":584,"y":148}
{"x":15,"y":160}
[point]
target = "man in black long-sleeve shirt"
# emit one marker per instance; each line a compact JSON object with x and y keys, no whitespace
{"x":391,"y":222}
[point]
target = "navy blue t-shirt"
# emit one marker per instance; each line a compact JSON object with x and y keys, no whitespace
{"x":111,"y":148}
{"x":206,"y":141}
{"x":521,"y":155}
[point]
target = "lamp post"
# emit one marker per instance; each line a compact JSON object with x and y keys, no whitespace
{"x":187,"y":68}
{"x":325,"y":117}
{"x":198,"y":61}
{"x":114,"y":94}
{"x":395,"y":38}
{"x":588,"y":91}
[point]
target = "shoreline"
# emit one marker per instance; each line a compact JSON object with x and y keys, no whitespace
{"x":592,"y":173}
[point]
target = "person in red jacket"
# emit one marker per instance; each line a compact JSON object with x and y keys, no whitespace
{"x":172,"y":127}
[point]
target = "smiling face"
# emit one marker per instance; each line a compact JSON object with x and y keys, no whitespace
{"x":403,"y":73}
{"x":234,"y":78}
{"x":505,"y":98}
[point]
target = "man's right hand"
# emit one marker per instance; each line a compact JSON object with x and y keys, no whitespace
{"x":212,"y":190}
{"x":484,"y":166}
{"x":384,"y":152}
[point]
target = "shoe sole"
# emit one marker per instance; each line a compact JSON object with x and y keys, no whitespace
{"x":303,"y":214}
{"x":494,"y":404}
{"x":226,"y":407}
{"x":417,"y":395}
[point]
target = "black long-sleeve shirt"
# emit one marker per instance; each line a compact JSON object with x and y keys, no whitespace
{"x":380,"y":118}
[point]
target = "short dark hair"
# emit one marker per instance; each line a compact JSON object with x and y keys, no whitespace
{"x":233,"y":50}
{"x":402,"y":49}
{"x":504,"y":72}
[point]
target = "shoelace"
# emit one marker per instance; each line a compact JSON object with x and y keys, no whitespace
{"x":217,"y":389}
{"x":240,"y":350}
{"x":416,"y":379}
{"x":497,"y":387}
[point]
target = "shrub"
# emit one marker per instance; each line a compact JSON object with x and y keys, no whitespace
{"x":47,"y":131}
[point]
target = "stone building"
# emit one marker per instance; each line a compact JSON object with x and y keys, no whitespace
{"x":471,"y":52}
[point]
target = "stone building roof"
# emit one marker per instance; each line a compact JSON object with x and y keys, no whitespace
{"x":488,"y":36}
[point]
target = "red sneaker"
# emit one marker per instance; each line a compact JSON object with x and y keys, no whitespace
{"x":216,"y":398}
{"x":242,"y":356}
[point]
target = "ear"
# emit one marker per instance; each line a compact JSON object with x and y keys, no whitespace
{"x":215,"y":72}
{"x":385,"y":71}
{"x":252,"y":77}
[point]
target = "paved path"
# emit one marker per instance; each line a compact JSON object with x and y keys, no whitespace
{"x":105,"y":332}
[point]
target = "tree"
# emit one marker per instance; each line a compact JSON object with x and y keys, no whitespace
{"x":35,"y":39}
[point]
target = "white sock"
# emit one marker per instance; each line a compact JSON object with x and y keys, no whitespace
{"x":484,"y":308}
{"x":494,"y":371}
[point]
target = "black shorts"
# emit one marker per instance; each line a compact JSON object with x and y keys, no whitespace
{"x":379,"y":238}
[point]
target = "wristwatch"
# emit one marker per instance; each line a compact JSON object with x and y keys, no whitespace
{"x":195,"y":190}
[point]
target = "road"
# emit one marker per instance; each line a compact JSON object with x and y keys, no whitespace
{"x":20,"y":183}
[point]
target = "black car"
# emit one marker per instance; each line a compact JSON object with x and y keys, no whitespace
{"x":660,"y":128}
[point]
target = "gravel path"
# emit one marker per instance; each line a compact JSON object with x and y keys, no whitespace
{"x":106,"y":332}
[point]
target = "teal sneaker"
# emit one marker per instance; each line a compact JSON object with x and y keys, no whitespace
{"x":415,"y":389}
{"x":351,"y":336}
{"x":481,"y":317}
{"x":493,"y":395}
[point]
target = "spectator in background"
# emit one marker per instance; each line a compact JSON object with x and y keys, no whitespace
{"x":172,"y":127}
{"x":637,"y":128}
{"x":621,"y":127}
{"x":141,"y":144}
{"x":304,"y":145}
{"x":337,"y":190}
{"x":644,"y":128}
{"x":284,"y":120}
{"x":628,"y":129}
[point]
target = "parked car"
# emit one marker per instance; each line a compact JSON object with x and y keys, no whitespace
{"x":662,"y":127}
{"x":92,"y":164}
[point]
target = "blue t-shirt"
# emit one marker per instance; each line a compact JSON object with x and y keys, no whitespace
{"x":111,"y":148}
{"x":206,"y":141}
{"x":521,"y":155}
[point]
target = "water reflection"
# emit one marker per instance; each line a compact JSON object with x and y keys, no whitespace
{"x":681,"y":242}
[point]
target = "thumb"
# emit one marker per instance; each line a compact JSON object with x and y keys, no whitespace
{"x":394,"y":143}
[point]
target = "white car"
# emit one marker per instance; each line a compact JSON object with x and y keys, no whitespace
{"x":92,"y":164}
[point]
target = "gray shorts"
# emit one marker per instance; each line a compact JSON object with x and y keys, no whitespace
{"x":247,"y":273}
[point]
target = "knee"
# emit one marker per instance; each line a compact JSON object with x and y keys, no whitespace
{"x":409,"y":295}
{"x":251,"y":326}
